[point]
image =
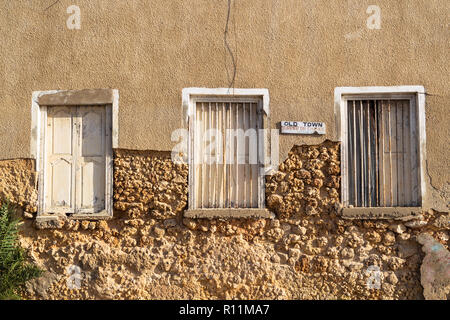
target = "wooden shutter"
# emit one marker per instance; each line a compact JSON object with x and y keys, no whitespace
{"x":61,"y":158}
{"x":226,"y":173}
{"x":382,"y":161}
{"x":90,"y":174}
{"x":77,"y":149}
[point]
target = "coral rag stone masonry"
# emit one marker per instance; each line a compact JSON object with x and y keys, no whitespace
{"x":18,"y":181}
{"x":157,"y":55}
{"x":148,"y":250}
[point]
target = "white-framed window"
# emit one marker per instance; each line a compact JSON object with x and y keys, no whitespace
{"x":227,"y":147}
{"x":382,"y":134}
{"x":73,"y":134}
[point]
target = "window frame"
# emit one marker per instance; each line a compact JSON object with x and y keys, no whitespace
{"x":189,"y":98}
{"x":41,"y":100}
{"x":416,"y":95}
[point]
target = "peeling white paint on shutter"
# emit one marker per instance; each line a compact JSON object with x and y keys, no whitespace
{"x":382,"y":161}
{"x":90,"y":174}
{"x":60,"y":181}
{"x":77,"y":150}
{"x":226,"y":173}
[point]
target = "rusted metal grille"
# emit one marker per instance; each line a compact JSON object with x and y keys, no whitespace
{"x":382,"y":161}
{"x":226,"y":154}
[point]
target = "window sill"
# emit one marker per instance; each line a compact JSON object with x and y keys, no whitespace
{"x":51,"y":221}
{"x":101,"y":215}
{"x":395,"y":213}
{"x":229,"y":213}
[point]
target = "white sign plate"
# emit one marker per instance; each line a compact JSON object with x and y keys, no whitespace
{"x":301,"y":127}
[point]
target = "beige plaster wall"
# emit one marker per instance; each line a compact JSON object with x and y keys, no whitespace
{"x":150,"y":50}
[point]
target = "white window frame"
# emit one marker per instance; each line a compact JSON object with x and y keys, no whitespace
{"x":100,"y":97}
{"x":189,"y":97}
{"x":341,"y":94}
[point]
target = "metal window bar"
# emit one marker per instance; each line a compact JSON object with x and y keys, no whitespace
{"x":381,"y":153}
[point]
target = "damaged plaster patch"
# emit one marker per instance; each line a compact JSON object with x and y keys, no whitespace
{"x":42,"y":284}
{"x":435,"y":269}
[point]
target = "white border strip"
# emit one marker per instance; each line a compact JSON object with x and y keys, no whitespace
{"x":115,"y":119}
{"x":188,"y":93}
{"x":36,"y":124}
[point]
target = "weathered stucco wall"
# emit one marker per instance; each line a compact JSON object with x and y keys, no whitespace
{"x":148,"y":250}
{"x":150,"y":50}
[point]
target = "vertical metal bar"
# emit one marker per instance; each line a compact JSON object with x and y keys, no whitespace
{"x":198,"y":148}
{"x":207,"y":156}
{"x":247,"y":159}
{"x":191,"y":163}
{"x":364,"y":153}
{"x":248,"y":165}
{"x":407,"y":153}
{"x":414,"y":155}
{"x":355,"y":181}
{"x":366,"y":166}
{"x":234,"y":153}
{"x":193,"y":157}
{"x":199,"y":158}
{"x":195,"y":148}
{"x":399,"y":144}
{"x":361,"y":148}
{"x":229,"y":195}
{"x":224,"y":154}
{"x":256,"y":167}
{"x":217,"y":150}
{"x":244,"y":165}
{"x":208,"y":164}
{"x":377,"y":141}
{"x":203,"y":155}
{"x":236,"y":200}
{"x":390,"y":154}
{"x":383,"y":202}
{"x":220,"y":153}
{"x":251,"y":164}
{"x":369,"y":171}
{"x":348,"y":154}
{"x":397,"y":154}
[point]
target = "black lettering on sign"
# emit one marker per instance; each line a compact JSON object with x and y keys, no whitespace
{"x":313,"y":124}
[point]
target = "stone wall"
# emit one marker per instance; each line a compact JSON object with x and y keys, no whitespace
{"x":149,"y":251}
{"x":18,"y":182}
